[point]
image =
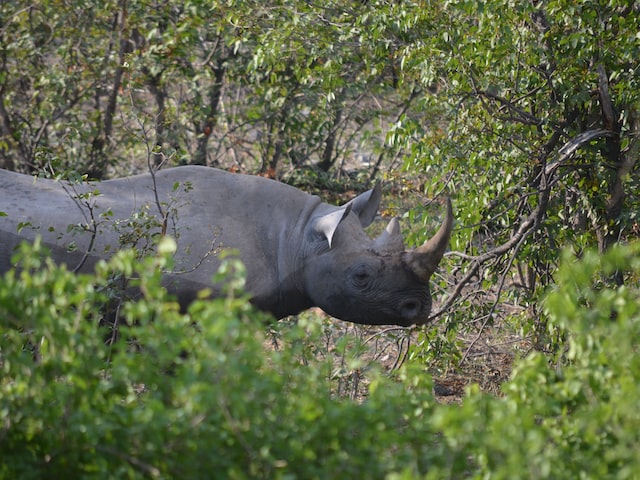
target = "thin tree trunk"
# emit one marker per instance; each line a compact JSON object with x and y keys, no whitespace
{"x":98,"y":161}
{"x":205,"y":131}
{"x":328,"y":154}
{"x":609,"y":235}
{"x":6,"y":156}
{"x":160,"y":95}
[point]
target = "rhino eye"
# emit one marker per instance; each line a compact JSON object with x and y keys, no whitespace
{"x":361,"y":277}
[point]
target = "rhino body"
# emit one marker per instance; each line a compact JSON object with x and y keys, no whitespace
{"x":298,"y":251}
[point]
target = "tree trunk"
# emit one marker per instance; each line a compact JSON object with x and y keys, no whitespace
{"x":6,"y":132}
{"x":611,"y":152}
{"x":204,"y":131}
{"x":160,"y":95}
{"x":609,"y":233}
{"x":98,"y":159}
{"x":328,"y":157}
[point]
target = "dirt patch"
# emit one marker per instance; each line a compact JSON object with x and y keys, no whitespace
{"x":355,"y":351}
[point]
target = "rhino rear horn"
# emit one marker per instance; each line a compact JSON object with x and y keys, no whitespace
{"x":391,"y":238}
{"x":424,"y":260}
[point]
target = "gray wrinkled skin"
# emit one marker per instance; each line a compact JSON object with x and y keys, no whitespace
{"x":298,"y":251}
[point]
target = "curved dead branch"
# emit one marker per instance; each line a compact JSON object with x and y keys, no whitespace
{"x":546,"y":179}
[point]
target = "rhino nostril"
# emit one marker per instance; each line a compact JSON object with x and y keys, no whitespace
{"x":410,"y":309}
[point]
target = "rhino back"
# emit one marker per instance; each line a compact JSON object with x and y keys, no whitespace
{"x":260,"y":219}
{"x":34,"y":206}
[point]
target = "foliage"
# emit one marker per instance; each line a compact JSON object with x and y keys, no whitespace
{"x":195,"y":393}
{"x":542,"y":104}
{"x":572,"y":416}
{"x":232,"y":82}
{"x":177,"y":394}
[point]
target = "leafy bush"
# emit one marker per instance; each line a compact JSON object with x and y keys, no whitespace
{"x":198,"y":395}
{"x":575,"y":415}
{"x":178,"y":395}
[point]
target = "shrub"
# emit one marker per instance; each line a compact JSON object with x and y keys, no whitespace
{"x":178,"y":395}
{"x":573,"y":415}
{"x":197,"y":395}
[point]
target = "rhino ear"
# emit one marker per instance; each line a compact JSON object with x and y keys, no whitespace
{"x":366,"y":205}
{"x":328,"y":224}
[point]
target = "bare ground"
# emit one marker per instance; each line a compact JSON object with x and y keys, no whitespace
{"x":354,"y":351}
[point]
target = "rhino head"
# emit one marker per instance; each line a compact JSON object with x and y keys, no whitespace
{"x":371,"y":281}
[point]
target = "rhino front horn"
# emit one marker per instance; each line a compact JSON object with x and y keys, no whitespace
{"x":424,"y":260}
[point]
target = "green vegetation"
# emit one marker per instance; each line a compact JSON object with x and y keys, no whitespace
{"x":198,"y":395}
{"x":525,"y":113}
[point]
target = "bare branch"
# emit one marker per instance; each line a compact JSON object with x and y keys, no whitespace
{"x":522,"y":116}
{"x":525,"y":229}
{"x":497,"y":299}
{"x":573,"y":145}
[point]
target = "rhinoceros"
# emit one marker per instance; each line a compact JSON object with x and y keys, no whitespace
{"x":298,"y":251}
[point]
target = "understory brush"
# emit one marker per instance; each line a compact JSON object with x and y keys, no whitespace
{"x":197,"y":395}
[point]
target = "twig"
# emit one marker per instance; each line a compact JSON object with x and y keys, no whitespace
{"x":525,"y":229}
{"x":497,"y":299}
{"x":91,"y":224}
{"x":146,"y":468}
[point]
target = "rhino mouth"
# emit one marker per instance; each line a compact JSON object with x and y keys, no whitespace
{"x":410,"y":309}
{"x":408,"y":313}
